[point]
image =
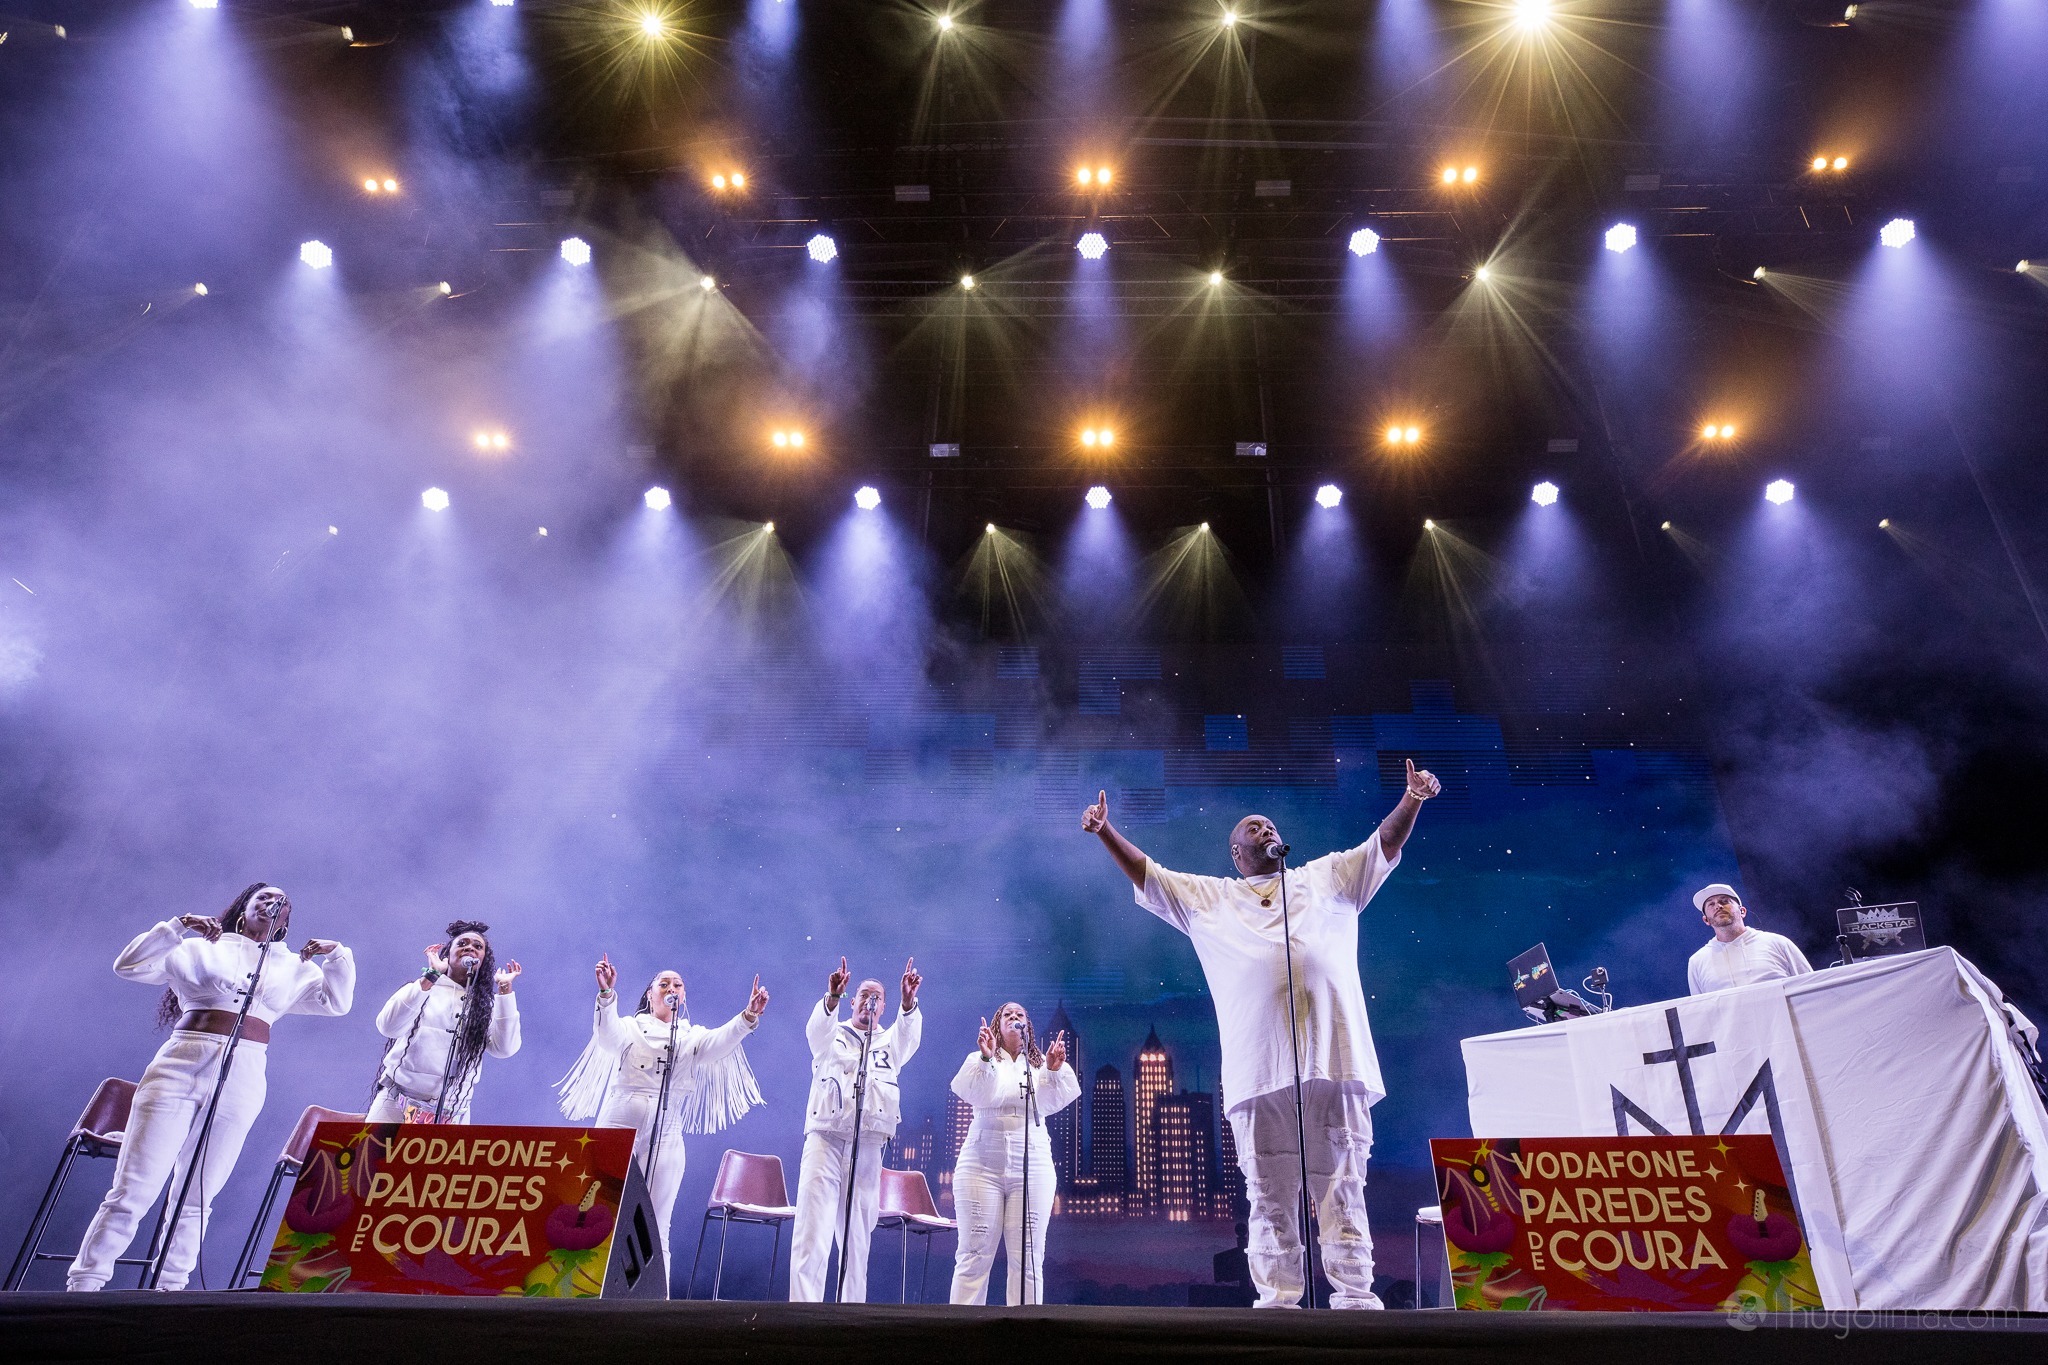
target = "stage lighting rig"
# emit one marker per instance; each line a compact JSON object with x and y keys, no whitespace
{"x":1897,"y":232}
{"x":787,"y":438}
{"x":867,"y":498}
{"x":1092,"y":246}
{"x":1398,"y":435}
{"x":1621,"y":237}
{"x":1364,"y":242}
{"x":1329,"y":495}
{"x":434,"y":500}
{"x":1098,"y":438}
{"x":316,"y":254}
{"x":1718,"y":431}
{"x":657,"y":499}
{"x":1778,"y":492}
{"x":1097,"y":497}
{"x":575,"y":251}
{"x":822,"y":248}
{"x":1544,"y":494}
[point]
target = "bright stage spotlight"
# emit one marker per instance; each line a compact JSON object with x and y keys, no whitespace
{"x":505,"y":4}
{"x":867,"y":498}
{"x":657,"y":499}
{"x":822,"y":248}
{"x":1215,"y":277}
{"x":2022,"y":268}
{"x":575,"y":251}
{"x":707,"y":283}
{"x":767,"y":528}
{"x":1665,"y":527}
{"x":445,"y":288}
{"x":1229,"y":19}
{"x":1884,"y":523}
{"x":1085,"y":176}
{"x":967,"y":283}
{"x":988,"y":528}
{"x":434,"y":500}
{"x":1092,"y":246}
{"x":1727,"y":431}
{"x":788,"y":440}
{"x":1758,"y":273}
{"x":205,"y":4}
{"x":1450,"y":176}
{"x":1329,"y":495}
{"x":1531,"y":16}
{"x":945,"y":23}
{"x":316,"y":253}
{"x":1820,"y":163}
{"x":1097,"y":497}
{"x":1364,"y":242}
{"x":1469,"y":175}
{"x":369,"y":186}
{"x":390,"y":185}
{"x":1778,"y":491}
{"x":1203,"y":527}
{"x":717,"y":182}
{"x":651,"y":25}
{"x":1543,"y":494}
{"x":1621,"y":237}
{"x":200,"y":289}
{"x":1482,"y":274}
{"x":1428,"y":525}
{"x":1897,"y":232}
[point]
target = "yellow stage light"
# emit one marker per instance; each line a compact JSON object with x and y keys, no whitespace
{"x":1450,"y":175}
{"x":1841,"y":163}
{"x":1820,"y":163}
{"x":1215,"y":277}
{"x":1085,"y":176}
{"x":967,"y":282}
{"x":1471,"y":174}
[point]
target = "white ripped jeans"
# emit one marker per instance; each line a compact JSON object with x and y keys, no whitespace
{"x":163,"y":1125}
{"x":988,"y":1196}
{"x":1339,"y":1127}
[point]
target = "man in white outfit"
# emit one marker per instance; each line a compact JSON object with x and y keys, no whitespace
{"x":1236,"y":926}
{"x":837,"y":1048}
{"x":1737,"y":955}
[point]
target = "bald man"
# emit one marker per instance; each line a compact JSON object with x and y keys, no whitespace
{"x":1236,"y":926}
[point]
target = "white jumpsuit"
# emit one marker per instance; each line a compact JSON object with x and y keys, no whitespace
{"x":828,"y":1138}
{"x":638,"y":1048}
{"x":170,"y":1101}
{"x":410,"y":1078}
{"x":988,"y":1179}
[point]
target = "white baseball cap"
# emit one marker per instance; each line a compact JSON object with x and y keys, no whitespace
{"x":1699,"y":897}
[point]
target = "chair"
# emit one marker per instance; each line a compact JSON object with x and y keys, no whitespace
{"x":288,"y":1167}
{"x":97,"y":1133}
{"x":749,"y":1189}
{"x":1428,"y":1216}
{"x":906,"y":1205}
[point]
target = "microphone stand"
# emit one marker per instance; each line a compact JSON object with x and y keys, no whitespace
{"x":668,"y":1071}
{"x":220,"y":1082}
{"x":1308,"y":1253}
{"x":1030,"y":1088}
{"x":448,"y":1067}
{"x":860,"y":1096}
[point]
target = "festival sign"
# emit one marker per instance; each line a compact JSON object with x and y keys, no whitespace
{"x":392,"y":1208}
{"x":1621,"y":1224}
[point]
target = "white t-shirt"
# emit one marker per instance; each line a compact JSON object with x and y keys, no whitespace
{"x":1753,"y":955}
{"x":1244,"y":956}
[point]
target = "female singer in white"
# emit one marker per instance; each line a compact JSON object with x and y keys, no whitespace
{"x":1005,"y":1075}
{"x":206,"y":964}
{"x":618,"y":1078}
{"x":461,"y":1007}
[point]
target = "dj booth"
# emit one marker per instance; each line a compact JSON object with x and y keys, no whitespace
{"x":1901,"y":1103}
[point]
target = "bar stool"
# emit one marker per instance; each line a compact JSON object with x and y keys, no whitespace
{"x":749,"y":1189}
{"x":98,"y":1133}
{"x":906,"y":1204}
{"x":1428,"y":1216}
{"x":287,"y":1168}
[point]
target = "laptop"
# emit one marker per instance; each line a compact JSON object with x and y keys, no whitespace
{"x":1867,"y":931}
{"x":1537,"y":991}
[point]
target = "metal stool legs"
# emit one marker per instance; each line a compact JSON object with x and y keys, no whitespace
{"x":702,"y":1228}
{"x":31,"y":1245}
{"x":278,"y":1173}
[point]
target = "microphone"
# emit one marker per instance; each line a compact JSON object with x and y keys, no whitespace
{"x":1277,"y":850}
{"x":673,"y":1001}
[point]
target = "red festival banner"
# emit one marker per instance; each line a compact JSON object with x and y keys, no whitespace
{"x":417,"y":1209}
{"x":1623,"y":1223}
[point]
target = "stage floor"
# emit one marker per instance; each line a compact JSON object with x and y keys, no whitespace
{"x":266,"y":1329}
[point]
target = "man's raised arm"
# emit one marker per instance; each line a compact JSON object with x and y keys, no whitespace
{"x":1400,"y":821}
{"x":1129,"y":857}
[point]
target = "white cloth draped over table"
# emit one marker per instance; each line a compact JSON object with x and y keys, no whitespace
{"x":171,"y":1099}
{"x":1917,"y":1145}
{"x":988,"y":1178}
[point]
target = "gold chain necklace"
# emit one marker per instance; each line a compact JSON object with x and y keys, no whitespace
{"x":1266,"y":896}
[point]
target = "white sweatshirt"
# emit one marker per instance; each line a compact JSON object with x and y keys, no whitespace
{"x":214,"y":975}
{"x":415,"y":1066}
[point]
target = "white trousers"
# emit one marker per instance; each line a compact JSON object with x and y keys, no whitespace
{"x":821,"y":1213}
{"x":163,"y":1125}
{"x":1339,"y":1127}
{"x":988,"y":1197}
{"x":390,"y":1106}
{"x":636,"y":1111}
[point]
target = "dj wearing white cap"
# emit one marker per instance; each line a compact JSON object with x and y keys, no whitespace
{"x":1738,"y":955}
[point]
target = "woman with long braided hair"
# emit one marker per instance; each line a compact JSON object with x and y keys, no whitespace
{"x":1011,"y":1086}
{"x":460,"y":1008}
{"x":205,"y":965}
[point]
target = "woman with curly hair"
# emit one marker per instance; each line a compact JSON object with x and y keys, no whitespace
{"x":1011,"y":1087}
{"x":662,"y":1076}
{"x":205,"y":965}
{"x":461,"y":1007}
